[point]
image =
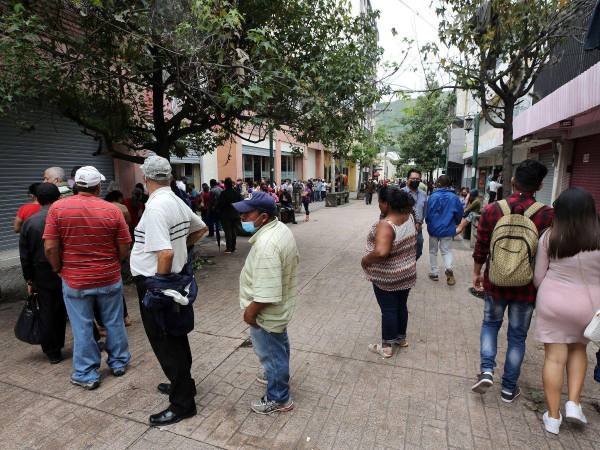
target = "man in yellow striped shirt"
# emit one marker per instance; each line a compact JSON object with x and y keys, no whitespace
{"x":268,"y":288}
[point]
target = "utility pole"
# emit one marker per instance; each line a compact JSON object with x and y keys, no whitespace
{"x":271,"y":158}
{"x":475,"y":150}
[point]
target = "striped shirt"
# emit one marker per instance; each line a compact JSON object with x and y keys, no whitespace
{"x":165,"y":225}
{"x":270,"y":275}
{"x":89,"y":230}
{"x":399,"y":270}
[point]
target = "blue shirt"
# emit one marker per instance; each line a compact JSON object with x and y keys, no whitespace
{"x":420,"y":207}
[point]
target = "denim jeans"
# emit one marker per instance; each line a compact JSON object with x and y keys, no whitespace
{"x":519,"y":319}
{"x":419,"y":244}
{"x":394,"y":314}
{"x":444,"y":245}
{"x":273,"y":351}
{"x":80,"y":308}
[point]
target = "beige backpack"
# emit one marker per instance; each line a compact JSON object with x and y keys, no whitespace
{"x":513,"y":247}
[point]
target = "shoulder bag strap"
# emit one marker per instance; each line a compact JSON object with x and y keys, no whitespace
{"x":503,"y":204}
{"x":537,"y":206}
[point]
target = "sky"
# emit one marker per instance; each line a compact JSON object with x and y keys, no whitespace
{"x":412,"y":19}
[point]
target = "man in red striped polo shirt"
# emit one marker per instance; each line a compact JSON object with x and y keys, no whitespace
{"x":85,"y":240}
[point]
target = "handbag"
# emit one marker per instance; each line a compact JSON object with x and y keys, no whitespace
{"x":592,"y":331}
{"x":27,"y":328}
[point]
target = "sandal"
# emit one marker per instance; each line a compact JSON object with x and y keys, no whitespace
{"x":384,"y":352}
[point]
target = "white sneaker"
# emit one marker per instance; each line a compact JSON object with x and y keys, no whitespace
{"x":574,"y":413}
{"x":551,"y":424}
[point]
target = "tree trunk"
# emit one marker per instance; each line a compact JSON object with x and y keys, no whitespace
{"x":507,"y":149}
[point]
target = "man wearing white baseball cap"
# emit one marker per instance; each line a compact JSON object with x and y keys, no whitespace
{"x":166,"y":230}
{"x":85,"y":240}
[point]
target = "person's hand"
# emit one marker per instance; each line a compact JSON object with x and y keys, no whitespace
{"x":249,"y":319}
{"x":478,"y":281}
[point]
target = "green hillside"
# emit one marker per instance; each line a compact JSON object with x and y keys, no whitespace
{"x":388,"y":115}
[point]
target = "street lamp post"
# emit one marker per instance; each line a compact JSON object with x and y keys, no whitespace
{"x":473,"y":123}
{"x":271,"y":159}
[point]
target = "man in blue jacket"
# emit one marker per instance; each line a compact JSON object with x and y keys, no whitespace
{"x":444,"y":212}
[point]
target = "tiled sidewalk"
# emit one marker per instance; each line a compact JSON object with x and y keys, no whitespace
{"x":345,"y":396}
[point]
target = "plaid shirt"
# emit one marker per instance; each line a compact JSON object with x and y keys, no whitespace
{"x":518,"y":202}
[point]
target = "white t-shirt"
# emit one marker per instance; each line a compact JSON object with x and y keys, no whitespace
{"x":494,"y":185}
{"x":165,"y":225}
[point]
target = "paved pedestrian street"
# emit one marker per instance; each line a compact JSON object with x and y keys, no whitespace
{"x":345,"y":397}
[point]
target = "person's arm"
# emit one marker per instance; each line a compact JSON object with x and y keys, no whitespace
{"x":52,"y":252}
{"x":384,"y":238}
{"x":197,"y":230}
{"x":26,"y":260}
{"x":124,"y":250}
{"x":542,"y":259}
{"x":123,"y":237}
{"x":164,"y":261}
{"x":482,"y":246}
{"x":18,"y":223}
{"x":252,"y":311}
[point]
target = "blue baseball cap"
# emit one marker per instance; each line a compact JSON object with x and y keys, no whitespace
{"x":260,"y":201}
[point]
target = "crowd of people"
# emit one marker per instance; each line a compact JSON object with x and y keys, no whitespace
{"x":527,"y":255}
{"x":74,"y":247}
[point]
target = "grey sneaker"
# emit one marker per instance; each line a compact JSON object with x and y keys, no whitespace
{"x":264,"y":406}
{"x":88,"y":385}
{"x":485,"y":380}
{"x":434,"y":277}
{"x":261,"y":377}
{"x":119,"y":372}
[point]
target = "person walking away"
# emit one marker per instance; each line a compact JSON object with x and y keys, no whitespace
{"x":205,"y":203}
{"x":508,"y":277}
{"x":135,"y":206}
{"x":493,"y":189}
{"x":420,"y":207}
{"x":390,"y":264}
{"x":473,"y":207}
{"x":28,"y":209}
{"x":213,"y":216}
{"x":306,"y":195}
{"x":369,"y":191}
{"x":228,"y":214}
{"x":318,"y":187}
{"x":324,"y":190}
{"x":85,"y":240}
{"x":162,"y":238}
{"x":567,"y":267}
{"x":268,"y":289}
{"x":444,"y":213}
{"x":40,"y":277}
{"x":56,"y":175}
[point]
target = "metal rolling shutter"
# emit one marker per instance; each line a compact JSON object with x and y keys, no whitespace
{"x":585,"y":171}
{"x":55,"y":141}
{"x":545,"y":194}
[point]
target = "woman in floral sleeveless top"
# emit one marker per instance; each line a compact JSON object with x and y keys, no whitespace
{"x":390,"y":264}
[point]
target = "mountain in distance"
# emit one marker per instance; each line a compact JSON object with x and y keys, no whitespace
{"x":389,"y":114}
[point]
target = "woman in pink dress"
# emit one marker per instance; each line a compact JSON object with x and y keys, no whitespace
{"x":567,"y":274}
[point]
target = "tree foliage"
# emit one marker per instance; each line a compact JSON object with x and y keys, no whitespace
{"x":190,"y":74}
{"x":425,"y":138}
{"x":498,"y":48}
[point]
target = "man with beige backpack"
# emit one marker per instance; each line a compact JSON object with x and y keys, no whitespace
{"x":507,"y":238}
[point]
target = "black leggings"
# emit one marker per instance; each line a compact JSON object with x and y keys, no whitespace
{"x":305,"y":203}
{"x":394,"y":314}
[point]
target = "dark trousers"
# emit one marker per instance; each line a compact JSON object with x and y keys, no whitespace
{"x":368,"y":198}
{"x":492,"y":197}
{"x":175,"y":358}
{"x":53,"y":314}
{"x":211,"y":222}
{"x":394,"y":314}
{"x":229,"y":227}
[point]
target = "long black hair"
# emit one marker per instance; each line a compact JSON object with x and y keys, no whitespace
{"x":398,"y":200}
{"x":576,"y":227}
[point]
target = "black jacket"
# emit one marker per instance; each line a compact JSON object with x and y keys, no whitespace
{"x":225,"y":210}
{"x":35,"y":266}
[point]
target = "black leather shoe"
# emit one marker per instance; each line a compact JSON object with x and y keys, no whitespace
{"x":164,"y":388}
{"x":55,"y":357}
{"x":168,"y":417}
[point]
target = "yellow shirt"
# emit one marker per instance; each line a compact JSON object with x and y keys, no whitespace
{"x":270,"y":275}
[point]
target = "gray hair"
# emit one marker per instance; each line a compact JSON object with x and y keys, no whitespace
{"x":56,"y":172}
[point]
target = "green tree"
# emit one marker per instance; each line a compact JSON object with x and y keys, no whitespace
{"x":424,"y":139}
{"x":365,"y":150}
{"x":190,"y":74}
{"x":498,"y":48}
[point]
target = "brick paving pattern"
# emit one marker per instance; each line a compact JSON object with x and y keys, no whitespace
{"x":345,"y":396}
